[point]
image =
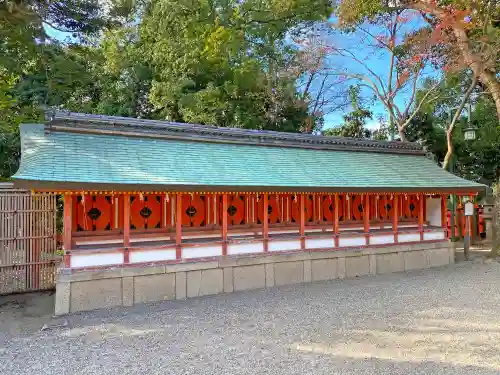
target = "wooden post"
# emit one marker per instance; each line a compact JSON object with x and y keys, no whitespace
{"x":421,"y":203}
{"x":126,"y":220}
{"x":336,"y":220}
{"x":67,"y":228}
{"x":444,"y":215}
{"x":178,"y":226}
{"x":224,"y":224}
{"x":265,"y":230}
{"x":302,"y":221}
{"x":366,"y":218}
{"x":395,"y":217}
{"x":126,"y":227}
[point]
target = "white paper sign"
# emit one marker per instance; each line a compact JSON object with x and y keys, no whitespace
{"x":469,"y":209}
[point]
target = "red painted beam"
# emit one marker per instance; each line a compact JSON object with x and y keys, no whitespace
{"x":265,"y":229}
{"x":224,"y":223}
{"x":336,"y":219}
{"x":67,"y":228}
{"x":366,"y":217}
{"x":421,"y":204}
{"x":302,"y":220}
{"x":178,"y":226}
{"x":395,"y":217}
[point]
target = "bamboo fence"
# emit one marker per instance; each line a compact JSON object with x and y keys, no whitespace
{"x":27,"y":240}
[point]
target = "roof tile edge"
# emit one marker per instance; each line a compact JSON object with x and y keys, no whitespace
{"x":125,"y":126}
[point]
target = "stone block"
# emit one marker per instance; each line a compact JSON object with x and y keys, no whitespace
{"x":95,"y":294}
{"x":357,"y":266}
{"x":180,"y":285}
{"x":387,"y":263}
{"x":62,"y":302}
{"x":307,"y":271}
{"x":341,"y":268}
{"x":324,"y":269}
{"x":269,"y":275}
{"x":190,"y":266}
{"x":228,"y":280}
{"x":249,"y":277}
{"x":204,"y":282}
{"x":128,"y":291}
{"x":153,"y":288}
{"x":141,"y":271}
{"x":415,"y":260}
{"x":451,"y":251}
{"x":438,"y":257}
{"x":373,"y":264}
{"x":288,"y":273}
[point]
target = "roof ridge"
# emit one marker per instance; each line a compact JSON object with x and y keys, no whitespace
{"x":115,"y":125}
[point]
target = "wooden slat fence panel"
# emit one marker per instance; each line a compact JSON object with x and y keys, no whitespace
{"x":27,"y":241}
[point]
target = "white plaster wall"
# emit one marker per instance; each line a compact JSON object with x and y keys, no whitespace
{"x":149,"y":239}
{"x":438,"y":235}
{"x":283,"y":231}
{"x":151,"y":256}
{"x":283,"y":245}
{"x":320,"y":243}
{"x":245,"y":248}
{"x":201,"y":251}
{"x":433,"y":207}
{"x":383,"y":239}
{"x":352,"y":241}
{"x":207,"y":235}
{"x":408,"y":237}
{"x":96,"y":259}
{"x":97,"y":242}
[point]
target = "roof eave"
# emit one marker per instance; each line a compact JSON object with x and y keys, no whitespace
{"x":57,"y":186}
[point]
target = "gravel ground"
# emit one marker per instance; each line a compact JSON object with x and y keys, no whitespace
{"x":441,"y":321}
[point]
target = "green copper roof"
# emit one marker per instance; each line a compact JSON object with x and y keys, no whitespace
{"x":92,"y":160}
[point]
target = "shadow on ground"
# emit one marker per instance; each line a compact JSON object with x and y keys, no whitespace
{"x":25,"y":313}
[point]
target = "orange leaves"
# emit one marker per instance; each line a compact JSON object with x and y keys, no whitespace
{"x":402,"y":78}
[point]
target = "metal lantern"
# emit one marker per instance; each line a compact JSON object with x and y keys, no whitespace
{"x":470,"y":134}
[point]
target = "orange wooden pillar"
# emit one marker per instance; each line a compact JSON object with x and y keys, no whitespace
{"x":126,"y":227}
{"x":178,"y":226}
{"x":366,"y":218}
{"x":421,"y":203}
{"x":336,"y":220}
{"x":265,"y":229}
{"x":395,"y":217}
{"x":67,"y":228}
{"x":224,"y":223}
{"x":444,"y":201}
{"x":302,"y":221}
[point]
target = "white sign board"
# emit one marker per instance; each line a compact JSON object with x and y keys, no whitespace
{"x":469,"y":209}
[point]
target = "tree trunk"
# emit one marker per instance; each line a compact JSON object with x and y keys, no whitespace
{"x":401,"y":131}
{"x":490,"y":81}
{"x":471,"y":58}
{"x":478,"y":67}
{"x":449,"y":151}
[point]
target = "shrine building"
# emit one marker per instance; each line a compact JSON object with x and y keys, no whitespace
{"x":157,"y":210}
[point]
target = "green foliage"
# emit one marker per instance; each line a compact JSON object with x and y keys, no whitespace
{"x":355,"y":121}
{"x":476,"y":160}
{"x":222,"y":62}
{"x":211,"y":62}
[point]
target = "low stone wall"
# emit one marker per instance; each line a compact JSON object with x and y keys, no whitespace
{"x":126,"y":286}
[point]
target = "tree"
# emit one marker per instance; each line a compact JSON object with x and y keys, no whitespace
{"x":382,"y":39}
{"x":355,"y":121}
{"x":212,"y":62}
{"x":219,"y":62}
{"x":461,"y":33}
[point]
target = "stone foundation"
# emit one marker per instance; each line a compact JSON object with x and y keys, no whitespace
{"x":126,"y":286}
